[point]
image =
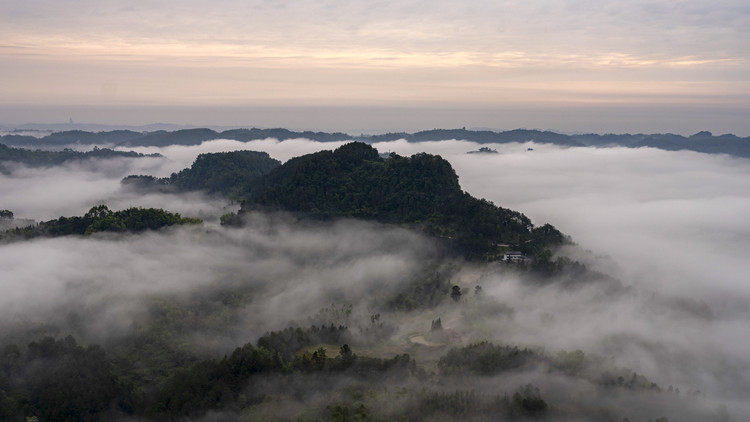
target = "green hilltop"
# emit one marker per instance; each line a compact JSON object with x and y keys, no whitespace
{"x":421,"y":191}
{"x":101,"y":219}
{"x":223,"y":173}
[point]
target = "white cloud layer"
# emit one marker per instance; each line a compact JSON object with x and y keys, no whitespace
{"x":671,"y":226}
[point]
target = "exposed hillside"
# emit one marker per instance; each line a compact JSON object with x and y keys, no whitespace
{"x":420,"y":191}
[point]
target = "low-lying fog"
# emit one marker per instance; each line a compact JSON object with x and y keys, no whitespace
{"x":671,"y":226}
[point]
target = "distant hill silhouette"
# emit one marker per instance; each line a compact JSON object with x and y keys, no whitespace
{"x":704,"y":141}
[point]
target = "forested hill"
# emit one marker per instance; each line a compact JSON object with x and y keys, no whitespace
{"x":39,"y":158}
{"x":100,"y":219}
{"x":421,"y":191}
{"x":705,"y":142}
{"x":226,"y":173}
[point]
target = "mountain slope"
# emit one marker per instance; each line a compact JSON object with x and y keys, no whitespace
{"x":421,"y":191}
{"x":225,"y":173}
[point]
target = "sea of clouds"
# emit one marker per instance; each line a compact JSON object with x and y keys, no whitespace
{"x":670,"y":226}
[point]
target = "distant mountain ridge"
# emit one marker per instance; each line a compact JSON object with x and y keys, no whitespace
{"x":704,"y":141}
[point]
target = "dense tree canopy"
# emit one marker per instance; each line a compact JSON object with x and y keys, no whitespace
{"x":421,"y":191}
{"x":229,"y":174}
{"x":102,"y":219}
{"x":40,"y":158}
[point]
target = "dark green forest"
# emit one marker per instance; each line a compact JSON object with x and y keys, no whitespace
{"x":421,"y":191}
{"x":61,"y":380}
{"x":229,"y":174}
{"x":100,"y":219}
{"x":42,"y":158}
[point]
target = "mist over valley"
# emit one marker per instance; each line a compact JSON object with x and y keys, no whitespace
{"x":640,"y":312}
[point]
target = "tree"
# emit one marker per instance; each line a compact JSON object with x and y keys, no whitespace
{"x":319,"y":359}
{"x":456,"y":293}
{"x":98,"y":212}
{"x":347,"y":356}
{"x":437,"y":325}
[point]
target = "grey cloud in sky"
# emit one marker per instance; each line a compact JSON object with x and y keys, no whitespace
{"x":638,"y":28}
{"x":562,"y":56}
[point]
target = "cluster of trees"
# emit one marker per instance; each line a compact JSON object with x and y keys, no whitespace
{"x":525,"y":403}
{"x":101,"y":219}
{"x":229,"y":174}
{"x":58,"y":379}
{"x":40,"y":158}
{"x":485,"y":358}
{"x":484,"y":150}
{"x":290,"y":340}
{"x":227,"y":384}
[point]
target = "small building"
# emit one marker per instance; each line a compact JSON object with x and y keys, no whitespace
{"x":516,"y":256}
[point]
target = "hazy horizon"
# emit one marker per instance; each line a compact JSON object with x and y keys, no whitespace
{"x":671,"y":226}
{"x":591,"y":66}
{"x":372,"y":121}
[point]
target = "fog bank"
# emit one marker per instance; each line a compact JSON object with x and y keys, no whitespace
{"x":670,"y":226}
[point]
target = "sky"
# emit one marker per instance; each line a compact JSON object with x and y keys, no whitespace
{"x":376,"y":66}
